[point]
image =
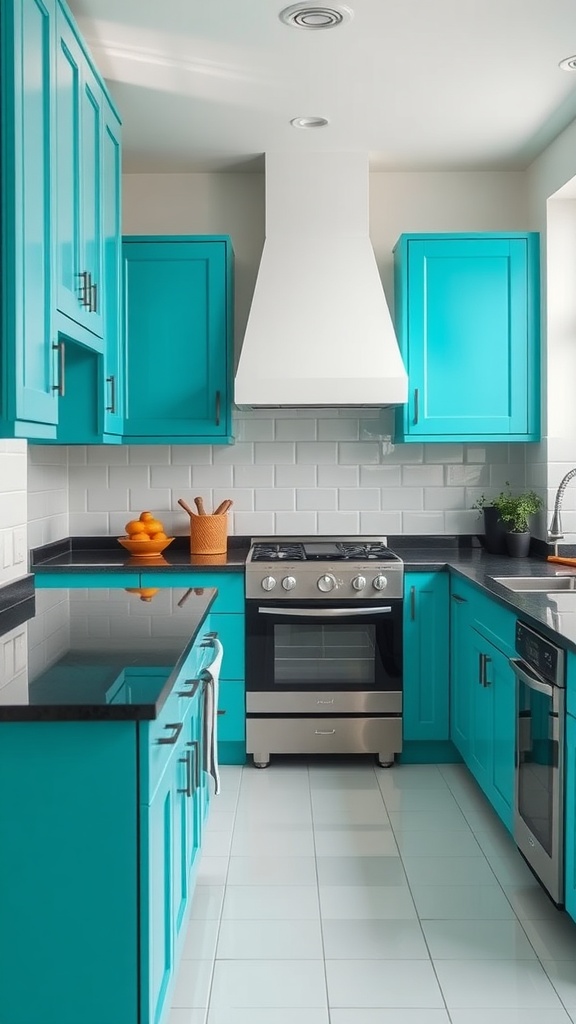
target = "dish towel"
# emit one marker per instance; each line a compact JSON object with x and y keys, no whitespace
{"x":211,"y":676}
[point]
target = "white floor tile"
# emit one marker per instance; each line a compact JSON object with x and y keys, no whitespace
{"x":382,"y":983}
{"x":359,"y":902}
{"x":553,"y":938}
{"x":270,"y":940}
{"x":466,"y":902}
{"x":373,"y":940}
{"x":271,"y":902}
{"x":207,"y":902}
{"x":362,"y":841}
{"x":430,"y":820}
{"x":273,"y":843}
{"x":437,"y":843}
{"x":273,"y":983}
{"x":263,"y":814}
{"x":220,"y":821}
{"x":411,"y":776}
{"x":448,"y":871}
{"x":360,"y":871}
{"x":212,"y":870}
{"x":188,"y":1016}
{"x":193,"y":983}
{"x":563,"y":977}
{"x":418,"y":799}
{"x":496,"y":844}
{"x":521,"y":1016}
{"x":362,"y":1016}
{"x":501,"y":984}
{"x":343,"y":779}
{"x":477,"y":940}
{"x":200,"y":941}
{"x":530,"y":902}
{"x":272,"y":871}
{"x":257,"y":1015}
{"x":511,"y":870}
{"x":216,"y":844}
{"x":335,"y":807}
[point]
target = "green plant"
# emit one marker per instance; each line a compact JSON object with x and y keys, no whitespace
{"x":515,"y":510}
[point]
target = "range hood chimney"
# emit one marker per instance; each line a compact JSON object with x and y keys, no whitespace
{"x":319,"y":332}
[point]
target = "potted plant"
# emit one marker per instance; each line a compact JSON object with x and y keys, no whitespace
{"x":514,"y":512}
{"x":494,"y":528}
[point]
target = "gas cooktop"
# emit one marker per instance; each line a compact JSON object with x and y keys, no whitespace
{"x":322,"y":551}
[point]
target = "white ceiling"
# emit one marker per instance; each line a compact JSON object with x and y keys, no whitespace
{"x":418,"y":84}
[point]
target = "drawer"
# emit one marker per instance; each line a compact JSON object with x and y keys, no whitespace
{"x":324,"y":735}
{"x":231,"y":710}
{"x":230,"y":630}
{"x":377,"y":702}
{"x":158,"y":741}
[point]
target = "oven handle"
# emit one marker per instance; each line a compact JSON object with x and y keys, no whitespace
{"x":533,"y":681}
{"x":324,"y":613}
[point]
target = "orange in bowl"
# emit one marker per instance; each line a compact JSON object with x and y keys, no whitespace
{"x":141,"y":545}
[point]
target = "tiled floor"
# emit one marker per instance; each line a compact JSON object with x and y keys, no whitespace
{"x":345,"y":894}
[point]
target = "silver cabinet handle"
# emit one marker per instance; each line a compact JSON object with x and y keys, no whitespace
{"x":412,"y":603}
{"x":187,"y":760}
{"x":217,"y":409}
{"x":112,"y":382}
{"x":93,"y":306}
{"x":324,"y":732}
{"x":523,"y":672}
{"x":177,"y":727}
{"x":196,"y":745}
{"x":326,"y":613}
{"x":416,"y":406}
{"x":60,"y":387}
{"x":192,"y":692}
{"x":482,"y":669}
{"x":85,"y":285}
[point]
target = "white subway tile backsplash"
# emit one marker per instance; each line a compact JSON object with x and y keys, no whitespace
{"x":255,"y":430}
{"x":243,"y":498}
{"x":121,"y":477}
{"x":211,"y":476}
{"x":254,"y":523}
{"x":338,"y":430}
{"x":359,"y":499}
{"x":443,"y":453}
{"x":154,"y":499}
{"x":276,"y":498}
{"x":423,"y":522}
{"x":107,"y":455}
{"x":13,"y":508}
{"x":467,"y":476}
{"x":296,"y":476}
{"x":443,"y":498}
{"x":463,"y":521}
{"x":111,"y":498}
{"x":358,"y":453}
{"x":296,"y":523}
{"x":401,"y":454}
{"x":317,"y":452}
{"x":174,"y":477}
{"x":13,"y":472}
{"x":77,"y":455}
{"x":145,"y":454}
{"x":381,"y":524}
{"x":337,"y":476}
{"x":254,"y":476}
{"x":335,"y":524}
{"x":315,"y":499}
{"x":423,"y":476}
{"x":233,"y":454}
{"x":191,"y":455}
{"x":399,"y":498}
{"x":95,"y":524}
{"x":475,"y":453}
{"x":275,"y":454}
{"x":380,"y":476}
{"x":296,"y":430}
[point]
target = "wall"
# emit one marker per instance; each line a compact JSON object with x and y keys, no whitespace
{"x":296,"y":473}
{"x":47,"y":494}
{"x":13,"y":514}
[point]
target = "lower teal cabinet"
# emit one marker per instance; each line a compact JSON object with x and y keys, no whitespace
{"x":570,"y":820}
{"x":178,"y":341}
{"x":460,"y":669}
{"x":426,"y":662}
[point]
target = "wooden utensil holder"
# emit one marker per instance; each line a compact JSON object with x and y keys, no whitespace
{"x":208,"y":535}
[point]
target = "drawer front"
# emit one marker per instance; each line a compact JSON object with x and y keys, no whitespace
{"x":231,"y":710}
{"x":322,"y":703}
{"x":323,"y":735}
{"x":230,"y":630}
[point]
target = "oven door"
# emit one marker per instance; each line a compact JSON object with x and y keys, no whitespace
{"x":538,"y":819}
{"x":319,"y":646}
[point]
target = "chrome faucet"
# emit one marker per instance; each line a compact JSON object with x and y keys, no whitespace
{"x":555,"y":532}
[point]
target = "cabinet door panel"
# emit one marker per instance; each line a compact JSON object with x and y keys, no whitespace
{"x":461,"y":671}
{"x":481,"y":739}
{"x":68,"y":157}
{"x":91,"y":170}
{"x":157,"y":880}
{"x":112,"y":401}
{"x":425,"y":704}
{"x":570,"y":896}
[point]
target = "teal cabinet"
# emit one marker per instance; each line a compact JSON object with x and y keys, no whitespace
{"x":460,"y":669}
{"x":28,"y":359}
{"x":426,"y":663}
{"x":111,"y":394}
{"x":467,"y":316}
{"x":570,"y":821}
{"x":78,"y":152}
{"x":178,"y":339}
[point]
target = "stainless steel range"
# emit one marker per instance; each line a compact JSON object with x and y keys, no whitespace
{"x":323,"y":647}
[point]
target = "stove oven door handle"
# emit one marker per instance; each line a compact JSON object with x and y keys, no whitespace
{"x":530,"y":679}
{"x":324,"y":613}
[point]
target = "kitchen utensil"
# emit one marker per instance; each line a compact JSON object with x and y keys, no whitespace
{"x":561,"y":561}
{"x":223,"y":507}
{"x":200,"y":506}
{"x":208,"y":535}
{"x":186,"y":507}
{"x":144,"y":548}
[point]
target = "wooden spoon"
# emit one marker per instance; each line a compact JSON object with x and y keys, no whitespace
{"x":200,"y":506}
{"x":223,"y":507}
{"x":186,"y":507}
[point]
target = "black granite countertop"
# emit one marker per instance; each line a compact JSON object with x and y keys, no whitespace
{"x":105,"y":554}
{"x":99,"y":654}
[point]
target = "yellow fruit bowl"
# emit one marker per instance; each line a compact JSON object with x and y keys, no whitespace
{"x":148,"y":548}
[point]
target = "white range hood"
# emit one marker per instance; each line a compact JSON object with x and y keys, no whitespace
{"x":319,"y":332}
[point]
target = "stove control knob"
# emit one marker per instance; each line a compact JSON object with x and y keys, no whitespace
{"x":326,"y":583}
{"x":268,"y":583}
{"x":359,"y":582}
{"x":379,"y":583}
{"x":288,"y":583}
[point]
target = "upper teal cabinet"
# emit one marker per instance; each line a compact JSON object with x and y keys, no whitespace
{"x":78,"y":155}
{"x":111,"y":399}
{"x":29,"y":365}
{"x":178,"y":334}
{"x":467,"y":316}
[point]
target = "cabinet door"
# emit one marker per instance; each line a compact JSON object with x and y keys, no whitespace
{"x":469,"y":331}
{"x":492,"y":738}
{"x":112,"y":400}
{"x":157,"y":880}
{"x":480,"y":749}
{"x":91,"y":101}
{"x":461,"y":672}
{"x":28,"y":364}
{"x":177,"y":340}
{"x":570,"y":896}
{"x":425,"y":702}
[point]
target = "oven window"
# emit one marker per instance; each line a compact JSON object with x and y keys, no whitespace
{"x":537,"y":763}
{"x":306,"y":655}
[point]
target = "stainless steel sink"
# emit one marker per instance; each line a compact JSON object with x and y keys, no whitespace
{"x":538,"y":584}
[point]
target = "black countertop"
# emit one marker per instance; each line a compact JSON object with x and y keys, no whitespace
{"x":105,"y":554}
{"x":98,"y":654}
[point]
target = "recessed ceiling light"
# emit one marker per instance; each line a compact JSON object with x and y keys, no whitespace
{"x":568,"y":64}
{"x":306,"y":16}
{"x":309,"y":122}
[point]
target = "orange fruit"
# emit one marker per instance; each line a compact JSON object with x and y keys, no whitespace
{"x":160,"y":536}
{"x":134,"y":526}
{"x":145,"y":517}
{"x":153,"y":526}
{"x":139,"y":538}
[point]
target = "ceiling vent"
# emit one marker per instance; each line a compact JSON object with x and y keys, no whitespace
{"x":304,"y":16}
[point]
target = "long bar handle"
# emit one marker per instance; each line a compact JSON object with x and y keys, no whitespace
{"x":60,"y":387}
{"x":192,"y":692}
{"x":324,"y":732}
{"x":196,"y":745}
{"x":412,"y":603}
{"x":84,"y":296}
{"x":177,"y":726}
{"x":324,"y":613}
{"x":187,"y":760}
{"x":111,"y":380}
{"x":520,"y":669}
{"x":93,"y":307}
{"x":217,"y":408}
{"x":416,"y":406}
